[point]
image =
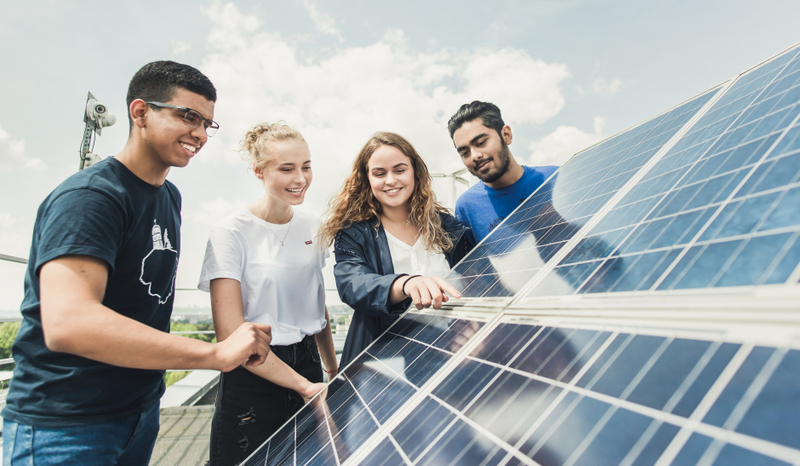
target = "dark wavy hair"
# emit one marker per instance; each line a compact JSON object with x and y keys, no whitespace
{"x":488,"y":112}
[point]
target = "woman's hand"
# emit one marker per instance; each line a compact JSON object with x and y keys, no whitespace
{"x":429,"y":291}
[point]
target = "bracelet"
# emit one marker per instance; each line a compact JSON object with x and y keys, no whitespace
{"x":331,"y":372}
{"x":403,"y":289}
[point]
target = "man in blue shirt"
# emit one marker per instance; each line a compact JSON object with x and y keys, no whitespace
{"x":482,"y":139}
{"x":99,"y":288}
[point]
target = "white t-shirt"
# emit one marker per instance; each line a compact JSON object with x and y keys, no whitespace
{"x":282,"y":285}
{"x":416,"y":260}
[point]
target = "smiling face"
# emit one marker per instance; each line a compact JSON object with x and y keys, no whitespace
{"x":391,"y":177}
{"x":172,"y":142}
{"x":482,"y":150}
{"x":287,"y":173}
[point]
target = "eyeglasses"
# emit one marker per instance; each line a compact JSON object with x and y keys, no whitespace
{"x":192,"y":118}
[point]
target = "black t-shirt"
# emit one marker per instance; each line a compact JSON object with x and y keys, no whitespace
{"x":106,"y":212}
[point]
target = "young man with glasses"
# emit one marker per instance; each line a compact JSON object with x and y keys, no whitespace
{"x":99,"y":288}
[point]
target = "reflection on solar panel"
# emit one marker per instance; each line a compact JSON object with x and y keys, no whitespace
{"x":641,"y":308}
{"x":535,"y":232}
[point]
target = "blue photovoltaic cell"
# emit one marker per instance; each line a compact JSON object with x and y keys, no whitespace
{"x":461,"y":444}
{"x":369,"y":392}
{"x":773,"y":414}
{"x":384,"y":454}
{"x":715,"y":208}
{"x":669,"y":371}
{"x":693,"y":449}
{"x":502,"y":264}
{"x":426,"y":421}
{"x":735,"y":390}
{"x":504,"y":342}
{"x":654,"y":445}
{"x":732,"y":455}
{"x":615,"y":440}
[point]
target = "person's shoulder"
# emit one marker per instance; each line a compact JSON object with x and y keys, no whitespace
{"x":235,"y":220}
{"x":305,"y":217}
{"x":449,"y":222}
{"x":474,"y":192}
{"x":100,"y":178}
{"x":547,"y":170}
{"x":363,"y":229}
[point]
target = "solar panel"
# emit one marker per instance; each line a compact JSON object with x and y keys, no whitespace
{"x":641,"y":308}
{"x":504,"y":262}
{"x":718,"y":209}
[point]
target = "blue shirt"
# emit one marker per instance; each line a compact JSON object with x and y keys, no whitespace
{"x":109,"y":213}
{"x":482,"y":208}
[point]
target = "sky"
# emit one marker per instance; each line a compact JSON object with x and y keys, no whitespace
{"x":565,"y":73}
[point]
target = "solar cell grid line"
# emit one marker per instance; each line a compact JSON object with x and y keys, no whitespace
{"x":729,"y":150}
{"x":387,"y":453}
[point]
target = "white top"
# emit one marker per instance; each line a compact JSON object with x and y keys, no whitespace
{"x":282,"y":285}
{"x":416,"y":260}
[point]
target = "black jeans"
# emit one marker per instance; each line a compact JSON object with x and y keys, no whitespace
{"x":250,"y":409}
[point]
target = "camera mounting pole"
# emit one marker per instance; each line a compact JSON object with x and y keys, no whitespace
{"x":96,"y":117}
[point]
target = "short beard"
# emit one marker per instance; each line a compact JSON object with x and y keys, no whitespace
{"x":504,"y":160}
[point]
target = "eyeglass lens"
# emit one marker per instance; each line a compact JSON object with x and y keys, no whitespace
{"x":194,"y":119}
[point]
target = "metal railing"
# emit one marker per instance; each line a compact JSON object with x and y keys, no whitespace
{"x":19,"y":260}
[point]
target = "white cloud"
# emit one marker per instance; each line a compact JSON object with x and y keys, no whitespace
{"x":601,"y":86}
{"x":12,"y":155}
{"x":180,"y":47}
{"x":322,"y":22}
{"x":209,"y":213}
{"x":525,"y":89}
{"x":339,"y":99}
{"x":15,"y":235}
{"x":557,"y":147}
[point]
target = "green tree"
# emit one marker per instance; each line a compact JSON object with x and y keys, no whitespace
{"x":187,"y":327}
{"x":8,"y":333}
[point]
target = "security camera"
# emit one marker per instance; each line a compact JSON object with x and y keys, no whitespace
{"x":96,"y":117}
{"x":98,"y":113}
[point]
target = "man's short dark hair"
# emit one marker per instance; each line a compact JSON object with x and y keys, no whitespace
{"x":486,"y":111}
{"x":157,"y":82}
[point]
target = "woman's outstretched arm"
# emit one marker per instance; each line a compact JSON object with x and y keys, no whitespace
{"x":227,"y":309}
{"x":324,"y":341}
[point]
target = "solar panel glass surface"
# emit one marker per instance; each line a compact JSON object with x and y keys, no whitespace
{"x":704,"y":196}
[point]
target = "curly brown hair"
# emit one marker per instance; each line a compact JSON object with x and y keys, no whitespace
{"x":356,"y":202}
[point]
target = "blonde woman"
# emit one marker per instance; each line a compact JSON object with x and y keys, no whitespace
{"x":263,"y":264}
{"x":392,"y":240}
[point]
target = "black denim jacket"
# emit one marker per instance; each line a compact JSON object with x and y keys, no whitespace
{"x":364,"y":276}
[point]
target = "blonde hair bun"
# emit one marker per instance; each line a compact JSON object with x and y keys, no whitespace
{"x":254,"y":147}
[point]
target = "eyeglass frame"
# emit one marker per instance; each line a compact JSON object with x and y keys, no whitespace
{"x":212,"y":126}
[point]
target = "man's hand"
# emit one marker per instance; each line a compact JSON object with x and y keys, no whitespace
{"x":427,"y":291}
{"x":247,"y":346}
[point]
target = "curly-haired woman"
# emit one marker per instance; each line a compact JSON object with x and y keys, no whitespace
{"x":392,"y":240}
